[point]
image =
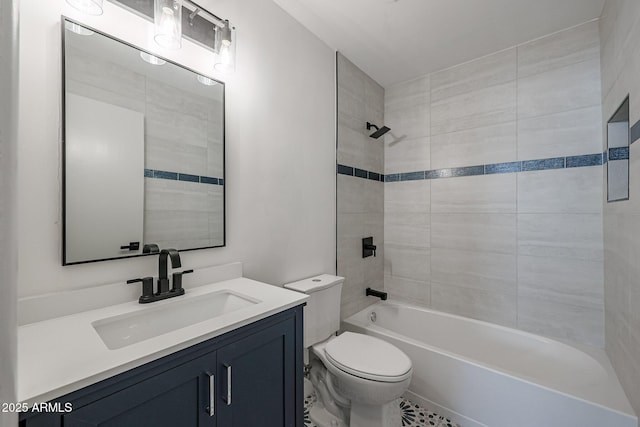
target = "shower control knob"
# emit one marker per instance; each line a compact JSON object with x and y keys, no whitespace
{"x":368,"y":248}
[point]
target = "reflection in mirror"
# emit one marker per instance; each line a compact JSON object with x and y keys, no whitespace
{"x":143,"y":151}
{"x":618,"y":154}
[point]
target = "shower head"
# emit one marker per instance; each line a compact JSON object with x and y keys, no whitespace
{"x":379,"y":131}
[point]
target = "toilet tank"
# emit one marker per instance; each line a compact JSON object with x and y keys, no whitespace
{"x":322,"y":312}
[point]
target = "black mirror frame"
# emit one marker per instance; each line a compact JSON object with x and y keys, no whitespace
{"x":63,"y":144}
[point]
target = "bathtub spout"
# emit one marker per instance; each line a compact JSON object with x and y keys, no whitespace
{"x":374,"y":293}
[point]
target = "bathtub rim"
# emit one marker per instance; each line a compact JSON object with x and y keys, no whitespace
{"x":620,"y":404}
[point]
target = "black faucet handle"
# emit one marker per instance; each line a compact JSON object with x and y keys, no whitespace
{"x":147,"y":288}
{"x":142,"y":279}
{"x":177,"y":280}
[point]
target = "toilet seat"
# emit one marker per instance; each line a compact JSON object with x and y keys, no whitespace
{"x":368,"y":357}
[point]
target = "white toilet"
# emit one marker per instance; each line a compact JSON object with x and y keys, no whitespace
{"x":357,"y":378}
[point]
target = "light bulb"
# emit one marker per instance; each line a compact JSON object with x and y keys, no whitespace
{"x":225,"y":49}
{"x":225,"y":59}
{"x":168,"y":23}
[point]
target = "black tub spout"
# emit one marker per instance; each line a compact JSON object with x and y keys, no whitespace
{"x":379,"y":294}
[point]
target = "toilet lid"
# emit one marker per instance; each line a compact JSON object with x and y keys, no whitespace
{"x":368,"y":357}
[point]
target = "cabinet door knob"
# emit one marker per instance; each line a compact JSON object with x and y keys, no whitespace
{"x":212,"y":394}
{"x":228,"y":369}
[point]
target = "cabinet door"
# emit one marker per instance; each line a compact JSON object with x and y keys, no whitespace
{"x":257,"y":379}
{"x":177,"y":397}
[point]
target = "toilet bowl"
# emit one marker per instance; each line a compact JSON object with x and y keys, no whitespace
{"x":357,"y":378}
{"x":367,"y":373}
{"x":365,"y":369}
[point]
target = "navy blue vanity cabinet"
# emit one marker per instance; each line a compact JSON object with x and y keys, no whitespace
{"x":255,"y":380}
{"x":177,"y":397}
{"x":253,"y":376}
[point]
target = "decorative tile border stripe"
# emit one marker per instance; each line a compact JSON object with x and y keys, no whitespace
{"x":618,"y":153}
{"x":635,"y":132}
{"x":503,"y":168}
{"x":490,"y":169}
{"x":583,"y":161}
{"x":454,"y":172}
{"x":543,"y":164}
{"x":360,"y":173}
{"x":176,"y":176}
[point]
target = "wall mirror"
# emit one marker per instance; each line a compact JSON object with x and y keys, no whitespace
{"x":618,"y":154}
{"x":143,"y":150}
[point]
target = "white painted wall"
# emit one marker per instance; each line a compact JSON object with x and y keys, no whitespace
{"x":280,"y":152}
{"x":8,"y":238}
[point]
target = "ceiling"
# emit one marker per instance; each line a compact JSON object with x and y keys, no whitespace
{"x":396,"y":40}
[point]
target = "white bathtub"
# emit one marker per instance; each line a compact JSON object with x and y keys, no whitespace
{"x":481,"y":374}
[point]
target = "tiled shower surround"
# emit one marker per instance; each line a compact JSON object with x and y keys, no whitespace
{"x":360,"y":204}
{"x":493,"y":192}
{"x":620,"y":58}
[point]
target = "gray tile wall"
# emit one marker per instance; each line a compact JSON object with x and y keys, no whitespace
{"x":522,"y":250}
{"x":620,"y":62}
{"x":360,"y":201}
{"x":177,"y":214}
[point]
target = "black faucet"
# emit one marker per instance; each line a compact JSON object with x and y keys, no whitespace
{"x":163,"y":275}
{"x":163,"y":291}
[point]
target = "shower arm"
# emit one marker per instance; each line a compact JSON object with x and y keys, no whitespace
{"x":379,"y":131}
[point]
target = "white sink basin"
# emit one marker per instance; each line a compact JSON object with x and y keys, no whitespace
{"x":130,"y":328}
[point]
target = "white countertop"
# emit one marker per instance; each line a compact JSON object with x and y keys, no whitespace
{"x":64,"y":354}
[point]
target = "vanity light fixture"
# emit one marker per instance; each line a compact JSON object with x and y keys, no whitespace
{"x":167,"y":20}
{"x":78,"y":29}
{"x":225,"y":48}
{"x":90,"y":7}
{"x":206,"y":80}
{"x":153,"y":60}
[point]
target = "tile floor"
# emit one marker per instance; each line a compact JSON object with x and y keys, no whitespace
{"x":412,"y":415}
